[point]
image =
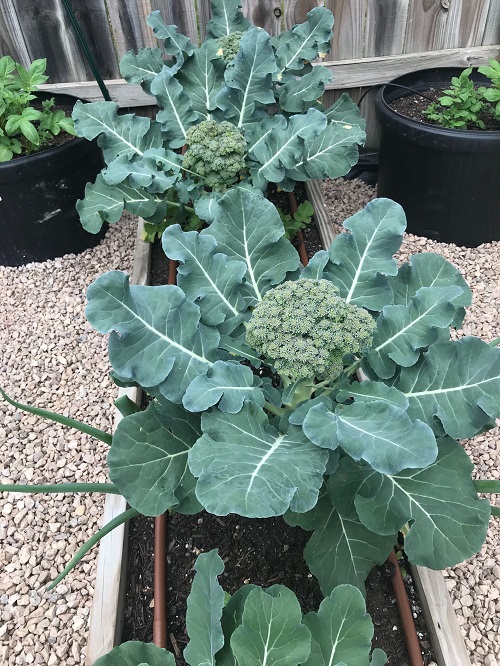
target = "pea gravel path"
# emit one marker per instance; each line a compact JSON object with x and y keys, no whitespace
{"x":474,"y":585}
{"x":50,"y":357}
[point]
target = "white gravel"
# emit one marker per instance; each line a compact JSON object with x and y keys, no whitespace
{"x":50,"y":357}
{"x":474,"y":585}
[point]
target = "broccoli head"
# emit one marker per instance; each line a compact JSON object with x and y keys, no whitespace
{"x":229,"y":45}
{"x":306,"y":328}
{"x":216,"y":151}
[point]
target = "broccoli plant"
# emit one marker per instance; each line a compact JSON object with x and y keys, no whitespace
{"x":247,"y":106}
{"x":259,"y":626}
{"x":352,"y":461}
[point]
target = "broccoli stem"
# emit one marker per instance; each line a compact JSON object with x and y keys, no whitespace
{"x":277,"y":411}
{"x":303,"y":391}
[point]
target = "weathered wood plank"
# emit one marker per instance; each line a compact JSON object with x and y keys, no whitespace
{"x":385,"y":27}
{"x":12,"y":40}
{"x":204,"y":16}
{"x":349,"y":27}
{"x":492,"y":28}
{"x":49,"y":34}
{"x":181,"y":13}
{"x":466,"y":23}
{"x":262,"y":14}
{"x":325,"y":227}
{"x":425,"y":30}
{"x":127,"y":19}
{"x":107,"y":605}
{"x":440,"y":618}
{"x":125,"y":94}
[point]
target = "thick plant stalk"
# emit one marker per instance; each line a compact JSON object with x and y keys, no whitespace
{"x":302,"y":248}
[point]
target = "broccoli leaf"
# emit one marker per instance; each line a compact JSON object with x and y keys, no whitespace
{"x":229,"y":384}
{"x":271,"y":472}
{"x":248,"y":227}
{"x":211,"y":279}
{"x":341,"y":630}
{"x":249,"y":79}
{"x":202,"y":76}
{"x":204,"y":610}
{"x":176,"y":114}
{"x":144,"y":171}
{"x":345,"y":111}
{"x":304,"y":42}
{"x":226,"y":18}
{"x":148,"y":457}
{"x":361,"y":261}
{"x":142,"y":67}
{"x":375,"y":431}
{"x":135,"y":652}
{"x":271,"y":629}
{"x":403,"y":331}
{"x":232,"y":616}
{"x":156,"y":337}
{"x":105,"y":203}
{"x":455,"y":386}
{"x":174,"y":44}
{"x":430,"y":270}
{"x":366,"y":391}
{"x":448,"y":521}
{"x":297,"y":95}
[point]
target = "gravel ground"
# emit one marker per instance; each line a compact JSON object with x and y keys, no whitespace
{"x":474,"y":585}
{"x":50,"y":357}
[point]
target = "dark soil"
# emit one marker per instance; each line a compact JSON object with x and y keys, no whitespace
{"x":260,"y":551}
{"x":413,"y":106}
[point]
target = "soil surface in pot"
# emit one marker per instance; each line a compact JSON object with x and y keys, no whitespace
{"x":413,"y":106}
{"x":259,"y":551}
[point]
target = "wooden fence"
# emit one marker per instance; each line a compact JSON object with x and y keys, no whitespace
{"x":374,"y":40}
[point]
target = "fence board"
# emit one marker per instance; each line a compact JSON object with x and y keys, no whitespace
{"x":349,"y":28}
{"x":182,"y":14}
{"x":12,"y":40}
{"x":295,"y":11}
{"x":261,"y":13}
{"x":385,"y":27}
{"x":466,"y":23}
{"x":492,"y":28}
{"x":426,"y":26}
{"x":128,"y":25}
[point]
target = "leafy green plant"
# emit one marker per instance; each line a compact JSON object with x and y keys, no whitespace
{"x":241,"y":83}
{"x":261,"y":626}
{"x":352,"y":461}
{"x":23,"y":128}
{"x":460,"y":106}
{"x":492,"y":93}
{"x":298,"y":221}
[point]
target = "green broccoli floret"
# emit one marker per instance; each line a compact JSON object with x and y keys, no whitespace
{"x":229,"y":45}
{"x":306,"y":328}
{"x":216,"y":151}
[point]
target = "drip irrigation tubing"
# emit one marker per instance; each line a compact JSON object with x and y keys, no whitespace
{"x":395,"y":85}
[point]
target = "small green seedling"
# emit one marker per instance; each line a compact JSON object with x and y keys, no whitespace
{"x":298,"y":221}
{"x":460,"y":106}
{"x":492,"y":93}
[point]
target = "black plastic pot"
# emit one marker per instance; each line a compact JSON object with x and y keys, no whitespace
{"x":446,"y":180}
{"x":38,"y":193}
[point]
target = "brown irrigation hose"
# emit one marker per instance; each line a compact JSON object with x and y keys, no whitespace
{"x":302,"y":248}
{"x":160,"y":631}
{"x":405,"y":613}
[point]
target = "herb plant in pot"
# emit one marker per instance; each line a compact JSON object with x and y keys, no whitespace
{"x":446,"y":178}
{"x":43,"y":169}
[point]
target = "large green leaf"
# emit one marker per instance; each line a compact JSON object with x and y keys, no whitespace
{"x":232,"y":616}
{"x":174,"y":44}
{"x":207,"y":277}
{"x":271,"y":631}
{"x":455,"y":386}
{"x":403,"y":331}
{"x":366,"y":391}
{"x":298,"y":94}
{"x":430,"y":270}
{"x":134,"y":653}
{"x":283,"y":146}
{"x":249,"y":228}
{"x":202,"y":76}
{"x":154,"y":170}
{"x":341,"y":630}
{"x":105,"y":203}
{"x":341,"y":549}
{"x":156,"y":338}
{"x":270,"y":473}
{"x":226,"y":18}
{"x":143,"y":66}
{"x":380,"y":433}
{"x":249,"y":79}
{"x":176,"y":114}
{"x":304,"y":42}
{"x":229,"y":384}
{"x":448,"y":522}
{"x":118,"y":134}
{"x":148,"y":457}
{"x":204,"y":611}
{"x":345,"y":111}
{"x":361,"y":261}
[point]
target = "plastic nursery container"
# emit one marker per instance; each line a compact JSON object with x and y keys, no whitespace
{"x":447,"y":180}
